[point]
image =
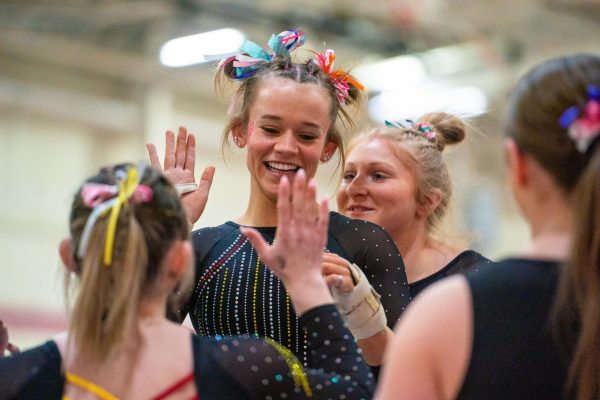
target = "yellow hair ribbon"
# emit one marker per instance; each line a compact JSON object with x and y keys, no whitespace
{"x":126,"y":189}
{"x":300,"y":378}
{"x":89,"y":386}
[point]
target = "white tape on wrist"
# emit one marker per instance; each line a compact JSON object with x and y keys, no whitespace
{"x":183,"y":188}
{"x":361,"y":309}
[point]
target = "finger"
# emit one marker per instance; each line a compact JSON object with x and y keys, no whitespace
{"x":181,"y":147}
{"x":206,"y":179}
{"x":195,"y":202}
{"x":13,"y":349}
{"x":323,"y":223}
{"x":310,"y":200}
{"x":259,"y":243}
{"x":190,"y":153}
{"x":169,"y":150}
{"x":283,"y":206}
{"x":298,"y":194}
{"x":334,"y":280}
{"x":153,"y":155}
{"x":332,"y":269}
{"x":334,"y":259}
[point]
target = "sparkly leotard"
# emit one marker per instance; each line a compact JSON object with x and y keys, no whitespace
{"x":230,"y":368}
{"x":235,"y":293}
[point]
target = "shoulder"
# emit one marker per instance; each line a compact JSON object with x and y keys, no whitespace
{"x":35,"y":373}
{"x":434,"y":361}
{"x":356,"y":231}
{"x":205,"y":239}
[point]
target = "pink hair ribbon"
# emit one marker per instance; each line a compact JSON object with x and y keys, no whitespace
{"x":583,"y":124}
{"x":102,"y":198}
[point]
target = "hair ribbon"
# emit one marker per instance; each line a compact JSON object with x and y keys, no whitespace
{"x":583,"y":124}
{"x":341,"y":79}
{"x":248,"y":58}
{"x":103,"y":198}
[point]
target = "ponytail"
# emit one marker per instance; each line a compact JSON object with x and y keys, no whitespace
{"x":108,"y":297}
{"x":577,"y":307}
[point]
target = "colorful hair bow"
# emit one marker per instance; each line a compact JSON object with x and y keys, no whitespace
{"x":250,"y":55}
{"x":340,"y":78}
{"x":111,"y":197}
{"x":583,"y":124}
{"x":424,"y":128}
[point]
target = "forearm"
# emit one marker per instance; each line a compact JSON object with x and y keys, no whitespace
{"x":373,"y":348}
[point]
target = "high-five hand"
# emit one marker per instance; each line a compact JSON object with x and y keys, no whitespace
{"x":179,"y":165}
{"x":297,"y":251}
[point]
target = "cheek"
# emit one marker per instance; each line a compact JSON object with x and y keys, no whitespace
{"x":250,"y":128}
{"x":341,"y":197}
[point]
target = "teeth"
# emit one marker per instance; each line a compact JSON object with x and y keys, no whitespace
{"x":282,"y":167}
{"x":358,"y":208}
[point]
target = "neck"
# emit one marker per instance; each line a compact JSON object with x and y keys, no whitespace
{"x":152,"y":309}
{"x":411,"y":248}
{"x":551,"y":230}
{"x":260,"y":211}
{"x":423,"y":255}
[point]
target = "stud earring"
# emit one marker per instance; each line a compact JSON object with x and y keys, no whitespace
{"x":326,"y":157}
{"x":238,"y":142}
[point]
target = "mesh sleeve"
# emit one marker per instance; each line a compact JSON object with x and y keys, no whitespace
{"x":374,"y":251}
{"x":253,"y":368}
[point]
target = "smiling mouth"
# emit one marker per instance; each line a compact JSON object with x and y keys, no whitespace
{"x":281,"y":168}
{"x":357,"y":209}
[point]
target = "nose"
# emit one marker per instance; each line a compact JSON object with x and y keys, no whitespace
{"x":356,"y":187}
{"x":286,"y":143}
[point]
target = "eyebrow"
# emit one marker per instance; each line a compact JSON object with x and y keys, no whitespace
{"x":278,"y":118}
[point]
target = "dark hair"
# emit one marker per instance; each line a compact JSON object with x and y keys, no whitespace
{"x":108,"y":297}
{"x":537,"y":104}
{"x":308,"y":72}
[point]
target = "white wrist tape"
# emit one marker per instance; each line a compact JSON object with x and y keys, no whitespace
{"x":360,"y":309}
{"x":183,"y":188}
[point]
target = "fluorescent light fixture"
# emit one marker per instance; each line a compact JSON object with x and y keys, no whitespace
{"x":392,"y":73}
{"x":190,"y":50}
{"x":416,"y":101}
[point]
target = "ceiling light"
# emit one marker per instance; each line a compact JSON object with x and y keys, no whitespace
{"x":414,"y":102}
{"x":190,"y":50}
{"x":392,"y":73}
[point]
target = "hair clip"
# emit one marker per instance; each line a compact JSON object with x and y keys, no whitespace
{"x":103,"y":198}
{"x":248,"y":58}
{"x":340,"y":78}
{"x":424,"y":128}
{"x":583,"y":124}
{"x":402,"y":124}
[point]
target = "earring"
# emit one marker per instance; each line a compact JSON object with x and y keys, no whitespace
{"x":238,"y":142}
{"x":326,"y":157}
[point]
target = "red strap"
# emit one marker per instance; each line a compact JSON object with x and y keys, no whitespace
{"x":175,"y":387}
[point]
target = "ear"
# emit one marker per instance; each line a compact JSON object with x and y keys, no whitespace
{"x":518,"y":166}
{"x":328,"y":151}
{"x":178,"y":259}
{"x":65,"y":249}
{"x":431,"y":203}
{"x":239,"y":134}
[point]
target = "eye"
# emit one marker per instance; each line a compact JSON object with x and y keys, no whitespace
{"x":307,"y":137}
{"x":348,"y":176}
{"x":269,"y":129}
{"x":378,"y":176}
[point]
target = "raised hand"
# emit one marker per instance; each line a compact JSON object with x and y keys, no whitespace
{"x":297,"y":251}
{"x":4,"y":343}
{"x":179,"y":165}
